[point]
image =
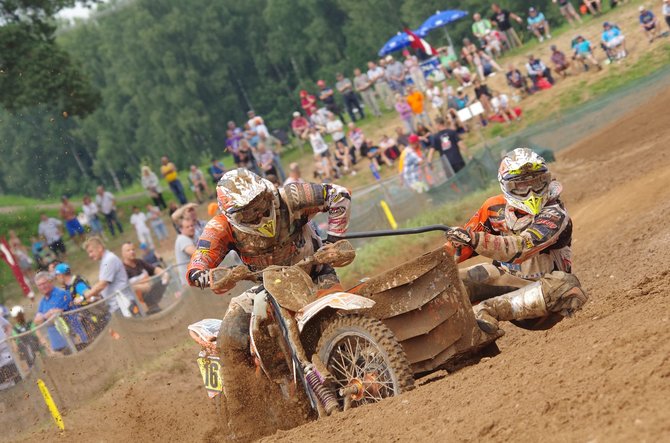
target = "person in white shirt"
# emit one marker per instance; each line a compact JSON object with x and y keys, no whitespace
{"x":107,"y":205}
{"x":91,"y":212}
{"x":500,"y":105}
{"x":321,"y":152}
{"x":294,"y":175}
{"x":434,"y":94}
{"x":184,"y":247}
{"x":51,"y":230}
{"x":139,"y":220}
{"x":377,"y":76}
{"x":112,"y":282}
{"x":335,"y":128}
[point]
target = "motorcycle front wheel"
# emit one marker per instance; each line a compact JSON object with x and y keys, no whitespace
{"x":363,"y":352}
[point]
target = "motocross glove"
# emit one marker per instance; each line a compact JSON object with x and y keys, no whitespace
{"x":331,"y":239}
{"x":462,"y":237}
{"x":199,"y":278}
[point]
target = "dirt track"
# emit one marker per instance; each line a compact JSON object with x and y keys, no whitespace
{"x":601,"y":376}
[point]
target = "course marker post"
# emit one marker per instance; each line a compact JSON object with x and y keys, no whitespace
{"x":389,"y":215}
{"x":53,"y":409}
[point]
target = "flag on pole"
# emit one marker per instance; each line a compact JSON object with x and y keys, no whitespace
{"x":417,"y":42}
{"x":8,"y":257}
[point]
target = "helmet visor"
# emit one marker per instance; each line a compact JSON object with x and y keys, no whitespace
{"x":522,"y":186}
{"x":258,"y":217}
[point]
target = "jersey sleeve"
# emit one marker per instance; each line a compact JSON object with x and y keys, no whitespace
{"x":214,"y":243}
{"x":479,"y":222}
{"x":308,"y":199}
{"x":543,"y":232}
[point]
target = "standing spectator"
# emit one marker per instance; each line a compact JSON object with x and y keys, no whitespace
{"x":613,"y":41}
{"x":54,"y":302}
{"x":435,"y":96}
{"x":583,"y":52}
{"x":405,"y":112}
{"x":107,"y":204}
{"x":410,"y":174}
{"x":294,"y":175}
{"x":363,"y":86}
{"x":481,"y":28}
{"x":415,"y":99}
{"x":216,"y":171}
{"x":139,"y":273}
{"x":516,"y":79}
{"x":300,"y":126}
{"x":265,"y":160}
{"x":28,"y":344}
{"x":395,"y":74}
{"x":153,"y":187}
{"x":327,"y":97}
{"x":157,"y":224}
{"x":665,"y":10}
{"x":139,"y":220}
{"x":197,"y":179}
{"x":50,"y":230}
{"x":188,"y":211}
{"x":92,"y":214}
{"x":112,"y":280}
{"x":560,"y":61}
{"x":413,"y":68}
{"x":501,"y":18}
{"x":377,"y":75}
{"x":448,"y":145}
{"x":274,"y":146}
{"x":346,"y":88}
{"x":568,"y":11}
{"x":537,"y":70}
{"x":233,"y":139}
{"x":308,"y":103}
{"x":184,"y":247}
{"x":538,"y":25}
{"x":649,"y":23}
{"x":169,"y":172}
{"x":69,"y":215}
{"x":321,"y":154}
{"x":335,"y":128}
{"x":22,"y":257}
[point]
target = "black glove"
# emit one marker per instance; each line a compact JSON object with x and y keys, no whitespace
{"x":461,"y":237}
{"x":331,"y":239}
{"x":199,"y":278}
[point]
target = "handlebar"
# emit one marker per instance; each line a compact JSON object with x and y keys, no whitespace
{"x":391,"y":232}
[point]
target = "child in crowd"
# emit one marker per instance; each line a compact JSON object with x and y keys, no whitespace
{"x":405,"y":112}
{"x":156,"y":222}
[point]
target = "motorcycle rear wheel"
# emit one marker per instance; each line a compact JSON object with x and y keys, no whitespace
{"x":363,"y":351}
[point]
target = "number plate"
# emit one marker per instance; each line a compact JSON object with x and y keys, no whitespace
{"x":210,"y":368}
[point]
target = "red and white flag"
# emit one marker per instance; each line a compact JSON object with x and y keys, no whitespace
{"x":8,"y":257}
{"x":417,"y":42}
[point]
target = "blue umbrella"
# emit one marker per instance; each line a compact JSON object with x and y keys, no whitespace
{"x":439,"y":19}
{"x":395,"y":43}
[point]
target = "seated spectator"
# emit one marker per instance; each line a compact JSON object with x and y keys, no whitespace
{"x":343,"y":158}
{"x":481,"y":27}
{"x":373,"y":153}
{"x":666,"y":12}
{"x":355,"y":134}
{"x":300,"y":126}
{"x":266,"y":160}
{"x":493,"y":43}
{"x":435,"y":96}
{"x":468,"y":50}
{"x":56,"y":301}
{"x":568,"y":11}
{"x":516,"y":80}
{"x":416,"y":101}
{"x":405,"y":112}
{"x":538,"y":25}
{"x":583,"y":53}
{"x":461,"y":73}
{"x":389,"y":148}
{"x":424,"y":134}
{"x":560,"y":61}
{"x":321,"y":153}
{"x":462,"y":100}
{"x":649,"y":24}
{"x":613,"y":41}
{"x":151,"y":256}
{"x":335,"y":128}
{"x":594,"y":7}
{"x":147,"y":290}
{"x":484,"y":95}
{"x":501,"y":107}
{"x":537,"y":71}
{"x":216,"y":171}
{"x":484,"y":64}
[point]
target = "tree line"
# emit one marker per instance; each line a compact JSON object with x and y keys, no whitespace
{"x":90,"y":103}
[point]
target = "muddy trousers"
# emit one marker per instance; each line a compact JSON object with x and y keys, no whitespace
{"x":557,"y":292}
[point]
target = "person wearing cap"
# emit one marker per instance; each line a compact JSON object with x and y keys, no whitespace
{"x":327,"y":97}
{"x":346,"y":88}
{"x":537,"y":70}
{"x":364,"y":86}
{"x":300,"y":126}
{"x":649,"y":23}
{"x":28,"y":344}
{"x":75,"y":285}
{"x":410,"y":163}
{"x":568,"y":11}
{"x":560,"y":61}
{"x":613,"y":41}
{"x":308,"y":103}
{"x":538,"y":24}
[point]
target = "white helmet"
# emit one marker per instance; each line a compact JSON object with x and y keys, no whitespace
{"x":248,"y":202}
{"x":16,"y":310}
{"x":524,"y":180}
